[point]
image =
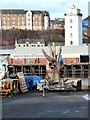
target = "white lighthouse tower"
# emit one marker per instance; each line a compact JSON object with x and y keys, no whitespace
{"x":73,"y":27}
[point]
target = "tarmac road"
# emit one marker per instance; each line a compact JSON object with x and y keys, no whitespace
{"x":54,"y":105}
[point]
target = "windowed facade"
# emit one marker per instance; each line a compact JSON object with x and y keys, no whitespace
{"x":32,"y":20}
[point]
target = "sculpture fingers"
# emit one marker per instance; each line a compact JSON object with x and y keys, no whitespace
{"x":47,"y":56}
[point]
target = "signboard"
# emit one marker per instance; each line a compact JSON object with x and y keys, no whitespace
{"x":84,"y":58}
{"x":28,"y":56}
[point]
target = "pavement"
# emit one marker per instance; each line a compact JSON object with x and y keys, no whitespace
{"x":59,"y":104}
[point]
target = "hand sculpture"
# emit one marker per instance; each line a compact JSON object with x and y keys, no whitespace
{"x":53,"y":64}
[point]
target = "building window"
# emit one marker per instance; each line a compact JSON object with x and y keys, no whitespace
{"x":71,"y":42}
{"x":18,"y":23}
{"x":28,"y":19}
{"x":39,"y":17}
{"x":36,"y":23}
{"x":8,"y":19}
{"x":13,"y":22}
{"x":39,"y":23}
{"x":27,"y":44}
{"x":33,"y":45}
{"x":28,"y":24}
{"x":4,"y":23}
{"x":18,"y":19}
{"x":13,"y":26}
{"x":8,"y":23}
{"x":70,"y":20}
{"x":22,"y":22}
{"x":13,"y":18}
{"x":3,"y":19}
{"x":20,"y":14}
{"x":36,"y":16}
{"x":71,"y":35}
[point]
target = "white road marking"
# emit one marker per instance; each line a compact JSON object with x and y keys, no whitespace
{"x":66,"y":111}
{"x":77,"y":111}
{"x":87,"y":97}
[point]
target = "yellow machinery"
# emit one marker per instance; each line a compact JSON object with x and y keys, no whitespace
{"x":9,"y":87}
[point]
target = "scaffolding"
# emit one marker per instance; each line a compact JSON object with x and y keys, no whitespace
{"x":31,"y":69}
{"x":75,"y":70}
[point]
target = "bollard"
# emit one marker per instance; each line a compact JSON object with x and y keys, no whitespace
{"x":43,"y":92}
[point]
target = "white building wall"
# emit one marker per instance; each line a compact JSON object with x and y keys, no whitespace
{"x":80,"y":30}
{"x":74,"y":51}
{"x":0,"y":21}
{"x":29,"y":20}
{"x":73,"y":34}
{"x":46,"y":22}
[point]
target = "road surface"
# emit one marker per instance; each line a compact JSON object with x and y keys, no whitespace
{"x":54,"y":105}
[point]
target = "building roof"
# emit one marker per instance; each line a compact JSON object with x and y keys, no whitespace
{"x":57,"y":43}
{"x":13,"y":11}
{"x":82,"y":49}
{"x":87,"y":18}
{"x":33,"y":51}
{"x":40,"y":12}
{"x":57,"y":21}
{"x":6,"y":52}
{"x":6,"y":47}
{"x":22,"y":11}
{"x":30,"y":41}
{"x":67,"y":51}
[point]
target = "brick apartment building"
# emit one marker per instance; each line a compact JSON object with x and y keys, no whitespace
{"x":24,"y":19}
{"x":58,"y":23}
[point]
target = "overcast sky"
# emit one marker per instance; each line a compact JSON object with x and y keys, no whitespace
{"x":56,"y":8}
